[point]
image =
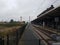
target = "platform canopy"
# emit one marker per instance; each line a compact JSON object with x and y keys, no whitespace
{"x":55,"y":12}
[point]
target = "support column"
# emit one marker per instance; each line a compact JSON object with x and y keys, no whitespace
{"x":56,"y":21}
{"x":43,"y":24}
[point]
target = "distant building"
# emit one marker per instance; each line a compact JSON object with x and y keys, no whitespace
{"x":23,"y":22}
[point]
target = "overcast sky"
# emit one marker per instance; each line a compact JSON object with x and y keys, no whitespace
{"x":13,"y":9}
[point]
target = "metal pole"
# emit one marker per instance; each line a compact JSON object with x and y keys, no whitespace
{"x":7,"y":39}
{"x":39,"y":41}
{"x":17,"y":38}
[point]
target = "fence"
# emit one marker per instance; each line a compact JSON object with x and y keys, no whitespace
{"x":13,"y":38}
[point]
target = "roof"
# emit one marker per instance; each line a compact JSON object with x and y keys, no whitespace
{"x":53,"y":11}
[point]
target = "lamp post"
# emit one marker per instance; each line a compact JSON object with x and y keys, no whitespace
{"x":29,"y":18}
{"x":21,"y":18}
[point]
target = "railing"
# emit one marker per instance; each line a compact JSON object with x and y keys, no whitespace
{"x":13,"y":39}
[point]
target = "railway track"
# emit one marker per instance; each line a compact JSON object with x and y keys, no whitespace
{"x":48,"y":30}
{"x":44,"y":35}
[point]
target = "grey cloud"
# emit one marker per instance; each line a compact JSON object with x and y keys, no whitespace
{"x":24,"y":8}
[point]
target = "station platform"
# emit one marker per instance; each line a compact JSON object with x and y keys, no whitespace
{"x":28,"y":37}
